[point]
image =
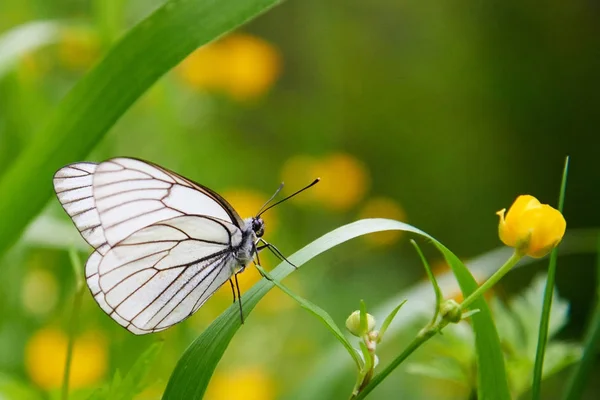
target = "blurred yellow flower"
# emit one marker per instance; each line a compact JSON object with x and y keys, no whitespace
{"x":78,"y":49}
{"x":45,"y":355}
{"x":249,"y":383}
{"x":344,"y":179}
{"x":383,"y":207}
{"x":530,"y":227}
{"x":242,"y":65}
{"x":40,"y":291}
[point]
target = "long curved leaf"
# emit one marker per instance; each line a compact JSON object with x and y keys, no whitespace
{"x":195,"y":368}
{"x":143,"y":55}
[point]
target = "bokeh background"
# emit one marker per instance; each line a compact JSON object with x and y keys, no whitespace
{"x":433,"y":113}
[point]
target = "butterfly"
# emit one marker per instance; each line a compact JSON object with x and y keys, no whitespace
{"x":163,"y":244}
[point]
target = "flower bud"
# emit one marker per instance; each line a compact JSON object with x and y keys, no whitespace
{"x":353,"y":324}
{"x":532,"y":228}
{"x":451,"y":311}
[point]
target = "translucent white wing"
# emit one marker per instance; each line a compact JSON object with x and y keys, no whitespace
{"x":73,"y":186}
{"x":163,"y":273}
{"x":111,"y":200}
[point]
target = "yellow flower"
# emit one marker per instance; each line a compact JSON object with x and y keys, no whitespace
{"x":45,"y":355}
{"x":383,"y":207}
{"x":532,"y":228}
{"x":344,"y":179}
{"x":78,"y":49}
{"x":250,"y":383}
{"x":242,"y":65}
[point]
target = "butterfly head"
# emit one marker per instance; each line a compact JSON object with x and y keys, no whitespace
{"x":258,"y":226}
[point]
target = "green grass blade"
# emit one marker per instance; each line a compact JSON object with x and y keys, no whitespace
{"x":584,"y":368}
{"x":195,"y":368}
{"x":99,"y":99}
{"x":548,"y":293}
{"x":318,"y":312}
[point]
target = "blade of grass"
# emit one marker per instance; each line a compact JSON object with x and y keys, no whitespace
{"x":548,"y":293}
{"x":100,"y":98}
{"x":196,"y":366}
{"x":319,"y":313}
{"x":583,"y":370}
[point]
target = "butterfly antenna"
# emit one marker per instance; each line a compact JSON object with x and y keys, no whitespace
{"x":271,"y":198}
{"x":285,"y":198}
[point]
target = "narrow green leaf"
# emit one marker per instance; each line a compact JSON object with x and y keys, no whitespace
{"x":364,"y":327}
{"x":582,"y":372}
{"x":99,"y":99}
{"x":492,"y":383}
{"x":439,"y":297}
{"x":366,"y":356}
{"x":195,"y":368}
{"x":319,"y":313}
{"x":388,"y":320}
{"x":548,"y":293}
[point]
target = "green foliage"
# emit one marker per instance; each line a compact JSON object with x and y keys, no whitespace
{"x":128,"y":386}
{"x":201,"y":358}
{"x":455,"y":355}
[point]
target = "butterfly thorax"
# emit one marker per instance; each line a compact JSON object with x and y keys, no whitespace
{"x":252,"y":230}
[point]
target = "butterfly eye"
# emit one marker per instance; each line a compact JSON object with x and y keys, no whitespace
{"x":258,"y":226}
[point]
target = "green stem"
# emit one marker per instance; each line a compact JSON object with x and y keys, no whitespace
{"x":71,"y":341}
{"x":492,"y":280}
{"x":414,"y":345}
{"x":79,"y":290}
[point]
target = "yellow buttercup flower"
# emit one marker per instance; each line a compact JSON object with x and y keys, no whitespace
{"x":530,"y":227}
{"x":242,"y":65}
{"x":250,"y":383}
{"x":383,"y":207}
{"x":252,"y":66}
{"x":46,"y":352}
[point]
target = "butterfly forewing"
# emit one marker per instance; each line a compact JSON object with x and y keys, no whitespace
{"x":163,"y":243}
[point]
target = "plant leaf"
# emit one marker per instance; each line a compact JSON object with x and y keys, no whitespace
{"x":195,"y":368}
{"x":99,"y":99}
{"x":388,"y":320}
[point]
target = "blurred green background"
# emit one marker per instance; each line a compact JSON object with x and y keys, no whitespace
{"x":432,"y":113}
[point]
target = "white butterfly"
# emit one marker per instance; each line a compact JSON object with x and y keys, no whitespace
{"x":163,"y":244}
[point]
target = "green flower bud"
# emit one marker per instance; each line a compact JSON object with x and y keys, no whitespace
{"x":451,"y":311}
{"x":353,"y":324}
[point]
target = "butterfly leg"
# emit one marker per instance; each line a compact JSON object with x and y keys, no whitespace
{"x":239,"y":296}
{"x":275,"y":251}
{"x":257,"y":261}
{"x":232,"y":290}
